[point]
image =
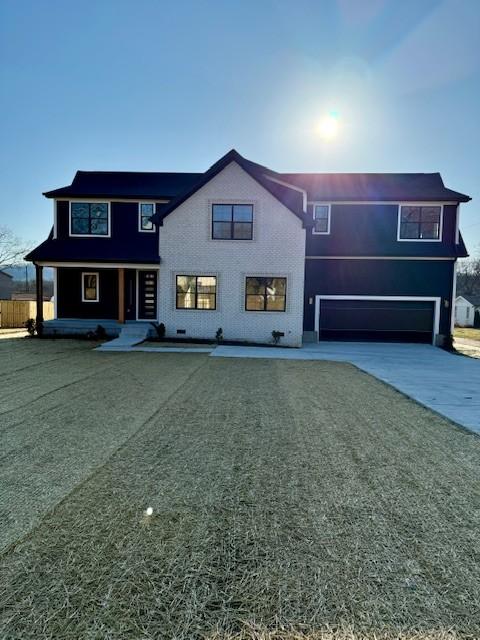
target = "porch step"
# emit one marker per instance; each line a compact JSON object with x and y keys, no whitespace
{"x":130,"y":335}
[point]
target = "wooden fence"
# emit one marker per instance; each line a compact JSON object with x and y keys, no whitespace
{"x":14,"y":313}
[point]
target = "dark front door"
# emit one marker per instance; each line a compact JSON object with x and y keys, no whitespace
{"x":130,"y":294}
{"x":147,"y":295}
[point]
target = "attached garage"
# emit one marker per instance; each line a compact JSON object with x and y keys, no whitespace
{"x":381,"y":319}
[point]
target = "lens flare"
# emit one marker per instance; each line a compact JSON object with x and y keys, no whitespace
{"x":328,"y":126}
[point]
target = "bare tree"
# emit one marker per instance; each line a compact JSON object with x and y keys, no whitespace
{"x":468,"y":277}
{"x":12,"y":249}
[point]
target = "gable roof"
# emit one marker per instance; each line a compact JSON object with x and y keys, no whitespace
{"x":358,"y":187}
{"x":473,"y":300}
{"x":289,"y":197}
{"x":126,"y":184}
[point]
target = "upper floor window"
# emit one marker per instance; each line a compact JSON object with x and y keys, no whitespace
{"x":89,"y":219}
{"x":265,"y":294}
{"x":145,"y":213}
{"x":196,"y":292}
{"x":232,"y":221}
{"x":420,"y":222}
{"x":321,"y":218}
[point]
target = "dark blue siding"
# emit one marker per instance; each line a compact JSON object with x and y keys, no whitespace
{"x":62,"y":219}
{"x":126,"y":242}
{"x":371,"y":229}
{"x":69,"y":294}
{"x":427,"y":278}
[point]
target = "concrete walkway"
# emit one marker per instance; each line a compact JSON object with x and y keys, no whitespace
{"x":447,"y":383}
{"x":130,"y":335}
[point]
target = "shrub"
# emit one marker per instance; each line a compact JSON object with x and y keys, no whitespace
{"x":31,"y":326}
{"x":276,"y":335}
{"x":159,"y":328}
{"x":219,"y":335}
{"x":99,"y":333}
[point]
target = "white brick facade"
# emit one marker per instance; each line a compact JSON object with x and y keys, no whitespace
{"x":277,"y":249}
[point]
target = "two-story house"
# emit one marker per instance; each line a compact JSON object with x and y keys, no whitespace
{"x":249,"y":250}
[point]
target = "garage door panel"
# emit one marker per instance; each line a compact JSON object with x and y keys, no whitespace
{"x":376,"y":319}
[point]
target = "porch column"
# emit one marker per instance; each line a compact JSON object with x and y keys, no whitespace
{"x":39,"y":294}
{"x":121,"y":295}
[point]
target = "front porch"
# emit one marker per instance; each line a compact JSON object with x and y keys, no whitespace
{"x":81,"y":326}
{"x":90,"y":294}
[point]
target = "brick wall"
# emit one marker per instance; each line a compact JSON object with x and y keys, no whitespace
{"x":277,"y":249}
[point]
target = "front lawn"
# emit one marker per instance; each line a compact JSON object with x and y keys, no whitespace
{"x":469,"y":333}
{"x":291,"y":499}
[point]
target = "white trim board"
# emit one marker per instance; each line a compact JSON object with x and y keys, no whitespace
{"x":457,"y":224}
{"x":100,"y":265}
{"x":392,"y":202}
{"x":434,"y":258}
{"x":435,"y":300}
{"x":55,"y":293}
{"x":329,"y":218}
{"x":132,"y":200}
{"x":137,"y":318}
{"x":90,"y":235}
{"x":97,"y":285}
{"x":454,"y":298}
{"x":290,"y":186}
{"x":55,"y":220}
{"x":420,"y":204}
{"x":140,"y":230}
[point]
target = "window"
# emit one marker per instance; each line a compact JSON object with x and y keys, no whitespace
{"x":232,"y":221}
{"x":265,"y":294}
{"x":145,"y":212}
{"x":196,"y":292}
{"x":89,"y":287}
{"x":467,"y":313}
{"x":321,"y":218}
{"x":89,"y":219}
{"x":420,"y":222}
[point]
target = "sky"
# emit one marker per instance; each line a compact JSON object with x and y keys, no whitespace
{"x":148,"y":85}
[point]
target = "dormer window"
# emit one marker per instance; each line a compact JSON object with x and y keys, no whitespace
{"x":321,"y":219}
{"x":232,"y":221}
{"x":420,"y":222}
{"x":89,"y":219}
{"x":145,"y":212}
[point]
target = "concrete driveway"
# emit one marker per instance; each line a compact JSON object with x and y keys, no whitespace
{"x":444,"y":382}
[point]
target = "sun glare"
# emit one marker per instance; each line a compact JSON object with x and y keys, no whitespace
{"x":328,"y":127}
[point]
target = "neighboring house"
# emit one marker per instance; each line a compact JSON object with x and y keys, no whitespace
{"x":465,"y":309}
{"x":249,"y":250}
{"x":6,"y":285}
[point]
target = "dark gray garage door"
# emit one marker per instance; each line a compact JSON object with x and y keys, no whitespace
{"x":381,"y":320}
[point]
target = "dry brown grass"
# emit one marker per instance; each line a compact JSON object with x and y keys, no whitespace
{"x":292,"y":501}
{"x":468,"y":333}
{"x":64,"y":410}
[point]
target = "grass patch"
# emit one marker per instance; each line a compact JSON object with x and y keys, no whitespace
{"x":64,"y":409}
{"x":468,"y":333}
{"x":291,"y":501}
